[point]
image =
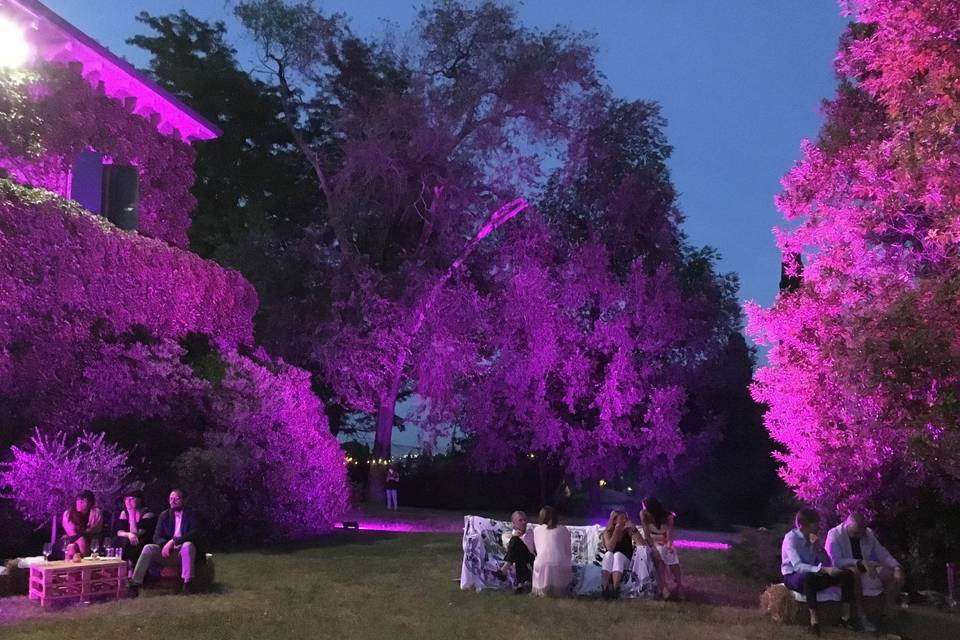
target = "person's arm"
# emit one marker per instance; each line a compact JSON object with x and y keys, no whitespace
{"x":668,"y":531}
{"x":147,"y":526}
{"x":69,"y":526}
{"x":793,"y":556}
{"x":835,"y":551}
{"x":161,"y":535}
{"x":645,"y":525}
{"x":95,"y":523}
{"x":884,"y":557}
{"x":610,"y":539}
{"x":122,"y":529}
{"x":190,"y":529}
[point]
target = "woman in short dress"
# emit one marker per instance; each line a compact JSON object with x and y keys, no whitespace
{"x":552,"y":568}
{"x":657,"y":525}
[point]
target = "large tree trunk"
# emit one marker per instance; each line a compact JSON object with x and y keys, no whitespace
{"x":386,"y":408}
{"x":382,"y":443}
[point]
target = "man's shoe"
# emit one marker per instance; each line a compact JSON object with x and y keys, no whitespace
{"x":815,"y":629}
{"x":187,"y":589}
{"x":850,"y":624}
{"x":524,"y":587}
{"x":866,"y":625}
{"x":133,"y":590}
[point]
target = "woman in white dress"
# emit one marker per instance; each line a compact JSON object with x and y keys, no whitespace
{"x":552,"y":569}
{"x":657,"y":525}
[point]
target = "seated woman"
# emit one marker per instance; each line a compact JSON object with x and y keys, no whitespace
{"x":134,"y":527}
{"x":552,"y":568}
{"x":657,"y":525}
{"x":82,"y":523}
{"x":618,"y":541}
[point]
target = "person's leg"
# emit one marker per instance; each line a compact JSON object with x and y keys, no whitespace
{"x":524,"y":563}
{"x":851,"y":586}
{"x":188,"y":556}
{"x":892,"y":582}
{"x":805,"y":583}
{"x":619,"y":565}
{"x":606,"y":568}
{"x":677,"y":579}
{"x":147,"y":556}
{"x":661,"y":573}
{"x":517,"y":554}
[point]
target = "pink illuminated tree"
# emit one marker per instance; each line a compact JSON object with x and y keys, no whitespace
{"x":605,"y":323}
{"x":865,"y":355}
{"x":43,"y":482}
{"x":418,"y":147}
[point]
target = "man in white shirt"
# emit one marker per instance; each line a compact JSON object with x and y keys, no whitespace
{"x":806,"y":569}
{"x":521,"y":552}
{"x":853,"y":545}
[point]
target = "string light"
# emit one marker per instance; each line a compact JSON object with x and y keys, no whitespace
{"x":603,"y":483}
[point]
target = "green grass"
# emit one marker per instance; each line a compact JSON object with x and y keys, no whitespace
{"x":390,"y":586}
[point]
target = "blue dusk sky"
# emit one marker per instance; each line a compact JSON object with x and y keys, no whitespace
{"x":740,"y":83}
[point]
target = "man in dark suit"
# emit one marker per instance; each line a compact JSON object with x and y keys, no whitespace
{"x":174,"y":542}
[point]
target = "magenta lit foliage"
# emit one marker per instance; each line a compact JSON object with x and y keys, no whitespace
{"x":92,"y":321}
{"x":587,"y":368}
{"x":864,"y":357}
{"x":43,"y":479}
{"x":72,"y":278}
{"x":74,"y":117}
{"x":272,"y":413}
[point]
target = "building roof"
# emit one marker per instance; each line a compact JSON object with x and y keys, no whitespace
{"x":57,"y":40}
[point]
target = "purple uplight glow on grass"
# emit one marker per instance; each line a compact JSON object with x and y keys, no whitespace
{"x":433,"y":527}
{"x":408,"y":527}
{"x":701,"y":544}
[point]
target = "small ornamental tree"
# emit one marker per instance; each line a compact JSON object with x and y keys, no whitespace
{"x":44,"y":479}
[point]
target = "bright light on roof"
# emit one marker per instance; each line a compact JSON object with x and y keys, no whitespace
{"x":14,"y":49}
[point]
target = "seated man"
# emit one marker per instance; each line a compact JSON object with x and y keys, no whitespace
{"x":806,"y":569}
{"x":852,"y":545}
{"x":174,"y":542}
{"x":521,"y":552}
{"x":82,"y":523}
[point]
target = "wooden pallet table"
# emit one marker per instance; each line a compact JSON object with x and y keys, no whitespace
{"x":61,"y":582}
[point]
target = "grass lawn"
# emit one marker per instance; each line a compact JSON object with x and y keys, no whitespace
{"x":386,"y":585}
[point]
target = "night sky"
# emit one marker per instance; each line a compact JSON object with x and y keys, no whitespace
{"x":740,"y":82}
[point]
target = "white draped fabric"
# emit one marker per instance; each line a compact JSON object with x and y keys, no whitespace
{"x":483,"y":552}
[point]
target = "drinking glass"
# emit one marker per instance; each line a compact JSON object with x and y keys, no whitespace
{"x":95,"y":547}
{"x":47,"y":551}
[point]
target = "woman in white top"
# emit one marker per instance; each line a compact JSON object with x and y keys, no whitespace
{"x":552,"y":570}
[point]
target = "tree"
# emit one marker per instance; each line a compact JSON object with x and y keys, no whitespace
{"x":424,"y":146}
{"x":43,"y":482}
{"x":607,"y":321}
{"x":863,"y":361}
